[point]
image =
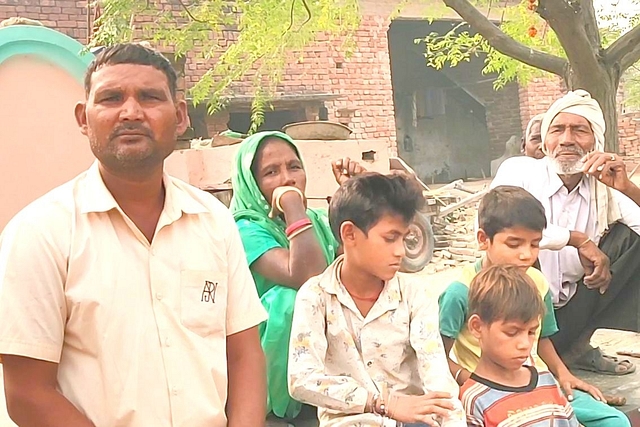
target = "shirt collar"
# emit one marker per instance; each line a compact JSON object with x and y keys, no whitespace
{"x":95,"y":197}
{"x":389,"y":298}
{"x":555,"y":183}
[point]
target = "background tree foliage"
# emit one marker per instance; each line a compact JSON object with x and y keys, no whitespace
{"x":268,"y":31}
{"x":589,"y":49}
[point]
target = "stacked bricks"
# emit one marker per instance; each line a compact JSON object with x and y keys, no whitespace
{"x":629,"y":135}
{"x":455,"y":241}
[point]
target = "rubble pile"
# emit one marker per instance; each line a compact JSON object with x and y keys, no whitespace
{"x":455,"y":240}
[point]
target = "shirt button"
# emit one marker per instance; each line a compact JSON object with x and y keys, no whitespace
{"x":167,"y":342}
{"x":174,"y":391}
{"x":159,"y":296}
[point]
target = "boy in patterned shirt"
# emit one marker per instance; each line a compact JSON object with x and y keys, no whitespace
{"x":505,"y":309}
{"x":365,"y":347}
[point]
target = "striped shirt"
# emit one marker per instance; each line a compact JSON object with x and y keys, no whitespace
{"x":538,"y":404}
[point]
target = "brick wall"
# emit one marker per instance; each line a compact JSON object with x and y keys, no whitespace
{"x":67,"y":16}
{"x":365,"y":80}
{"x":538,"y":95}
{"x":362,"y":81}
{"x":503,"y":116}
{"x":629,"y":135}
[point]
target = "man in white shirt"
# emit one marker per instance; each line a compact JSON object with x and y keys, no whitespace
{"x":125,"y":296}
{"x":591,"y":247}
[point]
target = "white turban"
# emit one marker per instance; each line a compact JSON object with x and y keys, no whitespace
{"x":580,"y":103}
{"x":535,"y":119}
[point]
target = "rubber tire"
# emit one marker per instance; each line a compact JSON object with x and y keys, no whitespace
{"x":417,"y":258}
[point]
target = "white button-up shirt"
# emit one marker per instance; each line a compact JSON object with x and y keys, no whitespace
{"x":565,"y":211}
{"x":138,"y":329}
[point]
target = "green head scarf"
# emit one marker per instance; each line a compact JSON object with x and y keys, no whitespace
{"x":249,"y":203}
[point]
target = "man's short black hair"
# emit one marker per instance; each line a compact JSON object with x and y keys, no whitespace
{"x":131,"y":53}
{"x":507,"y":206}
{"x":366,"y":198}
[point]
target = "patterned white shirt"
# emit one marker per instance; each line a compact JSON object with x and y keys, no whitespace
{"x":337,"y":357}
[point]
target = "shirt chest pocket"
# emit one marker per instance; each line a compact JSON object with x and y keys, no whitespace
{"x":203,"y":301}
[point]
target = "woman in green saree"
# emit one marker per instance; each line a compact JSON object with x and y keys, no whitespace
{"x":285,"y":242}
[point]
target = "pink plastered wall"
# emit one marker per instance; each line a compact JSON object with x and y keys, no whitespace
{"x":41,"y":146}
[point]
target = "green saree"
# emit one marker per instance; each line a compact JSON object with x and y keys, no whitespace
{"x":259,"y":234}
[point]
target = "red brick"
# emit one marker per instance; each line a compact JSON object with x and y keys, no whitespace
{"x":67,"y":24}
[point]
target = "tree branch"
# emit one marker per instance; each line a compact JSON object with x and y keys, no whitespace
{"x":625,"y":50}
{"x":570,"y":22}
{"x":591,"y":23}
{"x":186,"y":9}
{"x":505,"y":44}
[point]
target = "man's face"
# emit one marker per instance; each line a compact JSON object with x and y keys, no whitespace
{"x":569,"y":138}
{"x":131,"y":118}
{"x":532,"y":145}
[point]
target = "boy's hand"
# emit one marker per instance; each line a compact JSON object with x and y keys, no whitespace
{"x":427,"y":409}
{"x":569,"y":382}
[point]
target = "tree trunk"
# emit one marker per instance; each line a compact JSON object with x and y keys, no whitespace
{"x":605,"y":92}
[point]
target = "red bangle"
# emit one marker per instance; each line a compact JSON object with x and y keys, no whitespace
{"x":297,"y":225}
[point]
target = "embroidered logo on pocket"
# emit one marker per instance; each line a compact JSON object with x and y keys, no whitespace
{"x":209,"y":292}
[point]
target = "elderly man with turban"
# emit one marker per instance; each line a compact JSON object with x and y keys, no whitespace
{"x":532,"y":141}
{"x":590,"y":251}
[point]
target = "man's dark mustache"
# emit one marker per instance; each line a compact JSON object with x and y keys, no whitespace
{"x":138,"y":128}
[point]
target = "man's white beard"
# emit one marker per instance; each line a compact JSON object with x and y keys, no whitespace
{"x":568,"y":167}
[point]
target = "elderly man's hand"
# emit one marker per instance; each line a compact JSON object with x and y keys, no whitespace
{"x":596,"y":267}
{"x":608,"y":168}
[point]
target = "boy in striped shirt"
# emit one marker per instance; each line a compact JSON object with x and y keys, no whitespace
{"x":506,"y":389}
{"x":510,"y":225}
